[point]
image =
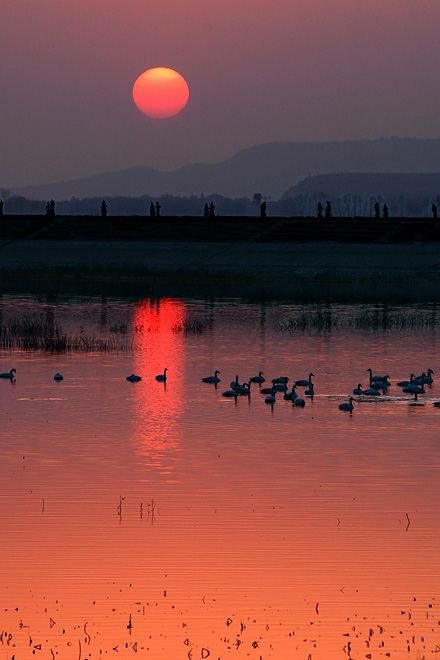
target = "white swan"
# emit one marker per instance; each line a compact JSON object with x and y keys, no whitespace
{"x":258,"y":379}
{"x":58,"y":377}
{"x":212,"y":379}
{"x":134,"y":378}
{"x":9,"y":374}
{"x":305,"y":383}
{"x":348,"y":405}
{"x":161,"y":378}
{"x":358,"y":390}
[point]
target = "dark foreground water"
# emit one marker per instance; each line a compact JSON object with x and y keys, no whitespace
{"x":158,"y":520}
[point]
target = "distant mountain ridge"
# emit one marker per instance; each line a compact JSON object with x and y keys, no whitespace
{"x":267,"y":168}
{"x":383,"y":184}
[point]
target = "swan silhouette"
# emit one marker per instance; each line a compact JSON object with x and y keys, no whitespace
{"x":377,"y":379}
{"x":271,"y":397}
{"x":358,"y":390}
{"x":291,"y":396}
{"x":282,"y":380}
{"x":258,"y":379}
{"x":9,"y":374}
{"x":348,"y":405}
{"x":161,"y":378}
{"x":234,"y":383}
{"x":404,"y":383}
{"x":58,"y":377}
{"x":212,"y":379}
{"x":413,"y":388}
{"x":372,"y":391}
{"x":134,"y":378}
{"x":305,"y":383}
{"x":230,"y":394}
{"x":299,"y":402}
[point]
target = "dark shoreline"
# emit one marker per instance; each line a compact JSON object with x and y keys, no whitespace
{"x":253,"y":258}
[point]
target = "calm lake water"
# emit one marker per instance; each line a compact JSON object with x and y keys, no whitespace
{"x":166,"y":521}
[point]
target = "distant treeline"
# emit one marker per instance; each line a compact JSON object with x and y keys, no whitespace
{"x":305,"y":205}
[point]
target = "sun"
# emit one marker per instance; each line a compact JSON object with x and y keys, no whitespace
{"x":160,"y":92}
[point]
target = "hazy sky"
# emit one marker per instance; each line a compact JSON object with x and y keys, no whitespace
{"x":258,"y":71}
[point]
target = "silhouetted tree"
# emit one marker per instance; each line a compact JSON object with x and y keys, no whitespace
{"x":152,"y":210}
{"x":1,"y":207}
{"x":319,"y":210}
{"x":263,"y":209}
{"x":158,"y":207}
{"x":103,"y":208}
{"x":385,"y":211}
{"x":434,"y":210}
{"x":50,"y":209}
{"x":377,"y":210}
{"x":328,"y":209}
{"x":206,"y":210}
{"x":212,"y":210}
{"x":257,"y":199}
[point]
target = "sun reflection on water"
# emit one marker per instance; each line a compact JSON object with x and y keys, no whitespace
{"x":158,"y":406}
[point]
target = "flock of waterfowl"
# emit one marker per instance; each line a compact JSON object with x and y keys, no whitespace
{"x":161,"y":378}
{"x":377,"y":384}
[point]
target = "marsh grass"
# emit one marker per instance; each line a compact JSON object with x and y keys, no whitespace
{"x":190,"y":327}
{"x":326,"y":318}
{"x":36,"y":333}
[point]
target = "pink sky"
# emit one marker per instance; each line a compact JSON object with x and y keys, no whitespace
{"x":257,"y":71}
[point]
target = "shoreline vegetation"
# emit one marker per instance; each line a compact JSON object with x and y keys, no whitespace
{"x":35,"y":332}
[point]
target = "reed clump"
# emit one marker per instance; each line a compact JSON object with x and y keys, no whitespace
{"x":326,"y":318}
{"x":190,"y":327}
{"x":37,"y":333}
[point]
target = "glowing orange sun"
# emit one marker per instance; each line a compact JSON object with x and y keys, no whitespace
{"x":160,"y":92}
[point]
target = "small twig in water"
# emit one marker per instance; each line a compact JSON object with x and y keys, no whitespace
{"x":409,"y":522}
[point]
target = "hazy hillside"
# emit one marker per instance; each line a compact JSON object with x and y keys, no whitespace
{"x":367,"y":185}
{"x":267,"y":168}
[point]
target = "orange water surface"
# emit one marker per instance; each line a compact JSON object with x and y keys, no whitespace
{"x":158,"y":520}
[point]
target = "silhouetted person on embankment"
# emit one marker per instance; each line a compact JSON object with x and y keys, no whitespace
{"x":50,"y":209}
{"x":263,"y":208}
{"x":434,"y":211}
